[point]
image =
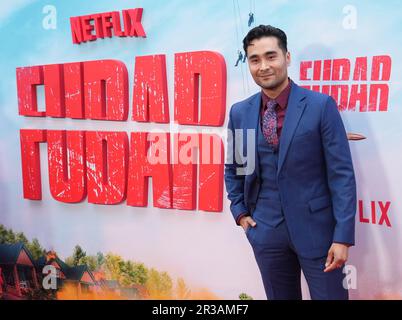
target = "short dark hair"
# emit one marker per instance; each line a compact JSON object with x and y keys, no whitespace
{"x":266,"y":31}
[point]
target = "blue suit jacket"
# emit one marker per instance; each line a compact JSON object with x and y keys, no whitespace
{"x":315,"y":171}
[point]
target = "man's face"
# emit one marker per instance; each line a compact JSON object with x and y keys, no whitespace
{"x":268,"y":63}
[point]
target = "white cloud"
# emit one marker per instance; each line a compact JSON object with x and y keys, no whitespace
{"x":7,"y":8}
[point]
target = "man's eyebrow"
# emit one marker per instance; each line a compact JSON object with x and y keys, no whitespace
{"x":265,"y":54}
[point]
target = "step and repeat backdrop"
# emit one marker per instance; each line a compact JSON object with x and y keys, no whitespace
{"x":99,"y":100}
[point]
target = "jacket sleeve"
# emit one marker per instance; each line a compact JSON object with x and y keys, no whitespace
{"x":340,"y":173}
{"x":234,"y":182}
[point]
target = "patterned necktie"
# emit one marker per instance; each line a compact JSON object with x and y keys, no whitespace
{"x":270,"y":123}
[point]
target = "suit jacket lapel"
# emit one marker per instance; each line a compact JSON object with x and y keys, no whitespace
{"x":295,"y":108}
{"x":253,"y":123}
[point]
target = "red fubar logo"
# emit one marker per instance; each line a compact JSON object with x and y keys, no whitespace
{"x":109,"y":167}
{"x":361,"y":85}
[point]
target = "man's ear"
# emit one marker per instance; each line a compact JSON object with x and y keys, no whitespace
{"x":288,"y":59}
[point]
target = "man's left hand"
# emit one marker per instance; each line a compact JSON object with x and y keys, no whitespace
{"x":337,"y":256}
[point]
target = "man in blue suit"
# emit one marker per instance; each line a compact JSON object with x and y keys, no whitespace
{"x":291,"y":181}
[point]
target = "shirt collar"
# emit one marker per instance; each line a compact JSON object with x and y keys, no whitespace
{"x":281,"y":99}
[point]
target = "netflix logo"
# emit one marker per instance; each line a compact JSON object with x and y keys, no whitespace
{"x":360,"y":85}
{"x":101,"y":25}
{"x":377,"y":212}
